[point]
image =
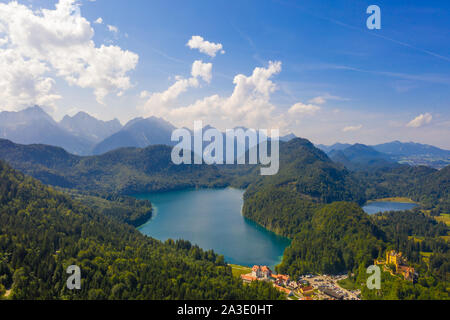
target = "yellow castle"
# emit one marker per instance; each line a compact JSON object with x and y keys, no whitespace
{"x":395,"y":258}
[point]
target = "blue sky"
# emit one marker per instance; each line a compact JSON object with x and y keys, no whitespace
{"x":350,"y":84}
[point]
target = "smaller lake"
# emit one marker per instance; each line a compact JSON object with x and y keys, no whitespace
{"x":212,"y":219}
{"x":381,"y":206}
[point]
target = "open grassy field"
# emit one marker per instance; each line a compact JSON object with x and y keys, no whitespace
{"x":416,"y":239}
{"x":347,"y":284}
{"x":238,"y":270}
{"x":426,"y":256}
{"x":445,"y":218}
{"x":394,"y":199}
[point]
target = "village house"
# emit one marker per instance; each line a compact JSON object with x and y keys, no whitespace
{"x":281,"y":279}
{"x":331,"y":293}
{"x":261,"y":272}
{"x":248,"y":278}
{"x":307,"y":291}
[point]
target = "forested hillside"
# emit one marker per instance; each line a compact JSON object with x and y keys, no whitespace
{"x":123,"y":171}
{"x":126,"y":209}
{"x":310,"y":172}
{"x":332,"y":237}
{"x":43,"y":231}
{"x":338,"y":237}
{"x":307,"y":180}
{"x":298,"y":202}
{"x":429,"y":187}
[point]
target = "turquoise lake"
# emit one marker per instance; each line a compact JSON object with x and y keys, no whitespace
{"x":212,"y":219}
{"x":380,"y":206}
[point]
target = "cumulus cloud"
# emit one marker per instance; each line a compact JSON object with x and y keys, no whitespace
{"x":206,"y":47}
{"x":47,"y":43}
{"x":99,"y":21}
{"x":420,"y":121}
{"x":307,"y":109}
{"x":113,"y":28}
{"x":22,"y":82}
{"x":202,"y":70}
{"x":248,"y":105}
{"x":352,"y":128}
{"x":162,"y":100}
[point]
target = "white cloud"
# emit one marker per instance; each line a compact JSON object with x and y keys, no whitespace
{"x":202,"y":70}
{"x":249,"y":104}
{"x":113,"y":28}
{"x":144,"y":94}
{"x":324,"y":98}
{"x":318,"y":100}
{"x":47,"y":43}
{"x":352,"y":128}
{"x":99,"y":21}
{"x":206,"y":47}
{"x":22,"y":82}
{"x":162,"y":100}
{"x":420,"y":121}
{"x":307,"y":109}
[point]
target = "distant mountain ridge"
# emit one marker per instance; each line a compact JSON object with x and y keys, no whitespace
{"x":398,"y":148}
{"x":406,"y":153}
{"x":86,"y":126}
{"x":138,"y":133}
{"x":361,"y":157}
{"x":83,"y":134}
{"x":336,"y":146}
{"x":34,"y":125}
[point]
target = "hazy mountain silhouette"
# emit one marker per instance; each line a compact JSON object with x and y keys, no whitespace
{"x":34,"y":125}
{"x":360,"y":157}
{"x":398,"y":148}
{"x":138,"y":133}
{"x":85,"y":126}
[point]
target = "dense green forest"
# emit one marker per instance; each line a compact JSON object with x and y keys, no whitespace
{"x":420,"y":238}
{"x":309,"y":171}
{"x":340,"y":237}
{"x":429,"y":187}
{"x":43,"y":231}
{"x":337,"y":238}
{"x":285,"y":220}
{"x":312,"y":200}
{"x":332,"y":237}
{"x":130,"y":210}
{"x":417,"y":236}
{"x":122,"y":171}
{"x":303,"y":168}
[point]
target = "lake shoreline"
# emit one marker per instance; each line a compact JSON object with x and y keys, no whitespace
{"x":375,"y":207}
{"x":212,"y":218}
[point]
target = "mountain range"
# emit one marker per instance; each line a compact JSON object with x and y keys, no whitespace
{"x":361,"y":157}
{"x":83,"y":134}
{"x":358,"y":155}
{"x":87,"y":127}
{"x":138,"y":133}
{"x":34,"y":125}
